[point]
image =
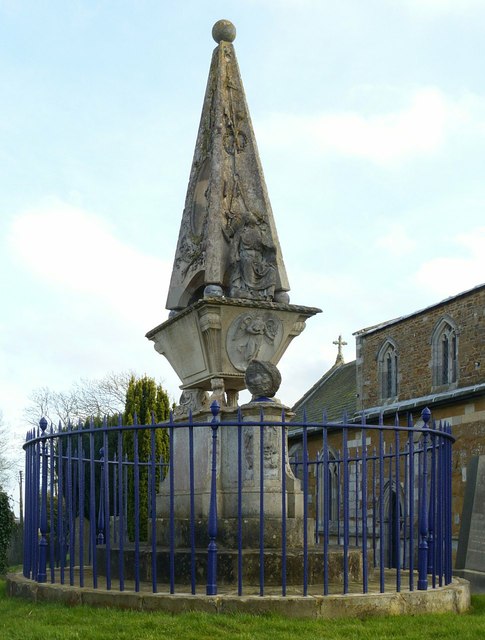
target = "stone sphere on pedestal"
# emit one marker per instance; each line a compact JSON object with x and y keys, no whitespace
{"x":262,"y":378}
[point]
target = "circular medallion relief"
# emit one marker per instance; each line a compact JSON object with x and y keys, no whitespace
{"x":253,"y":335}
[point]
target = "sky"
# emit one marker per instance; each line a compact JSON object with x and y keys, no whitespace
{"x":370,"y":122}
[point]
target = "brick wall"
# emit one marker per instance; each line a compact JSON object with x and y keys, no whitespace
{"x":412,"y":336}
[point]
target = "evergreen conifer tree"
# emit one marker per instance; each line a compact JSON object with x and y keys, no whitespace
{"x":145,"y":401}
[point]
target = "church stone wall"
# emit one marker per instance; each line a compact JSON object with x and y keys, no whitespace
{"x":412,"y":337}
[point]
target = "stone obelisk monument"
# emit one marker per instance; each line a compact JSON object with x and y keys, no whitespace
{"x":228,"y":299}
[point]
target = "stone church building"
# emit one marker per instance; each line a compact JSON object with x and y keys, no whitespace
{"x":434,"y":357}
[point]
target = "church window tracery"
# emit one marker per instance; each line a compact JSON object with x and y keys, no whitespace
{"x":388,"y":366}
{"x":445,"y":352}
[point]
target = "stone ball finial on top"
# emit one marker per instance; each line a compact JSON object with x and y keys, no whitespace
{"x":262,"y":378}
{"x":224,"y":30}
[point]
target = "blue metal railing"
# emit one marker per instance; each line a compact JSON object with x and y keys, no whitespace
{"x":378,"y":493}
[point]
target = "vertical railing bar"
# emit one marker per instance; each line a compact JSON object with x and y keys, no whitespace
{"x":381,"y":506}
{"x":346,"y":506}
{"x":70,"y":505}
{"x":121,"y":508}
{"x":239,"y":505}
{"x":192,"y":504}
{"x":60,"y":505}
{"x":51,"y":506}
{"x":107,"y":519}
{"x":171,"y":478}
{"x":283,"y":503}
{"x":92,"y":507}
{"x":211,"y":588}
{"x":339,"y":494}
{"x":126,"y":469}
{"x":136,"y":484}
{"x":374,"y":509}
{"x":115,"y":496}
{"x":80,"y":451}
{"x":318,"y":491}
{"x":27,"y":507}
{"x":439,"y":509}
{"x":305,"y":510}
{"x":365,"y":573}
{"x":261,"y":505}
{"x":326,"y":504}
{"x":153,"y":504}
{"x":389,"y":509}
{"x":37,"y":503}
{"x":42,"y":570}
{"x":432,"y":507}
{"x":356,"y":490}
{"x":448,"y":503}
{"x":411,"y":500}
{"x":397,"y":515}
{"x":100,"y":539}
{"x":405,"y":507}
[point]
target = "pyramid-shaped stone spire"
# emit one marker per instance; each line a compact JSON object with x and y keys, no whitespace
{"x":228,"y":245}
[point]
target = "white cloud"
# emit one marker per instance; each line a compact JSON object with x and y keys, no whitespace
{"x":67,"y":247}
{"x":420,"y":128}
{"x":447,"y":276}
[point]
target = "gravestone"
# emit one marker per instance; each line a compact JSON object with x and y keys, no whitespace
{"x":470,"y":557}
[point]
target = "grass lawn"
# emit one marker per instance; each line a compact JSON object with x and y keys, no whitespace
{"x":22,"y":620}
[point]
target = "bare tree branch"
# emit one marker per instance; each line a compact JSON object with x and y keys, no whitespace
{"x":88,"y":397}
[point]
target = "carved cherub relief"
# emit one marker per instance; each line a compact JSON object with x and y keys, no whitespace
{"x":253,"y":335}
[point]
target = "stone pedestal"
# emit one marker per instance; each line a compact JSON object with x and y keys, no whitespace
{"x":271,"y":437}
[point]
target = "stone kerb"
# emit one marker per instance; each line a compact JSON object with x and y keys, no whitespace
{"x":454,"y":598}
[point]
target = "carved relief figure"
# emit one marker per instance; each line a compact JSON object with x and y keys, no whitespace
{"x":271,"y":450}
{"x":191,"y":400}
{"x":252,"y":336}
{"x":218,"y":392}
{"x":248,"y":453}
{"x":253,"y":261}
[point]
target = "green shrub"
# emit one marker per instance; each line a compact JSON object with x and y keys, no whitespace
{"x":7,"y":523}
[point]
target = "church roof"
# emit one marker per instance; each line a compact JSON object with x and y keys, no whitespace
{"x":388,"y":323}
{"x":335,"y":393}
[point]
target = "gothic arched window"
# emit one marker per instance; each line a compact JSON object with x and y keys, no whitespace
{"x":445,"y":352}
{"x":388,"y":366}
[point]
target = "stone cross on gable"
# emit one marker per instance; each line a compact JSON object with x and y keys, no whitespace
{"x":340,"y":343}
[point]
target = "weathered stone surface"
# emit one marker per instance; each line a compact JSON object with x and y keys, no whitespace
{"x":453,"y":598}
{"x":227,"y":236}
{"x":59,"y":593}
{"x":227,"y":533}
{"x":471,"y":543}
{"x":227,"y":465}
{"x":218,"y":337}
{"x":227,"y":566}
{"x":262,"y":379}
{"x":470,"y":557}
{"x":223,"y":30}
{"x":114,"y":599}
